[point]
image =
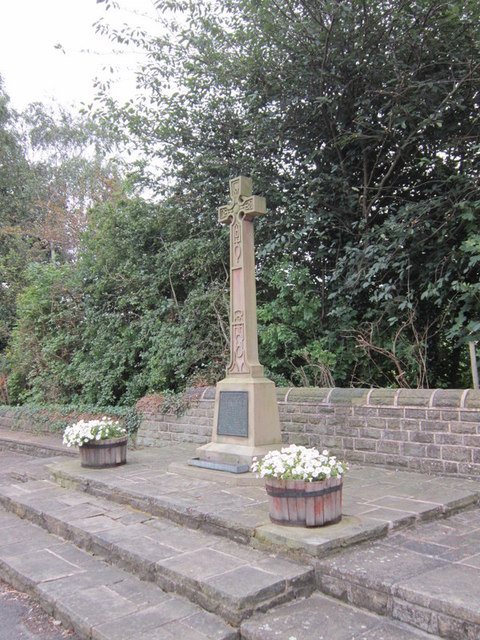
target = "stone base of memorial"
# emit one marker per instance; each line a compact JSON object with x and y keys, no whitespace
{"x":246,"y":421}
{"x":103,"y":454}
{"x":305,"y":504}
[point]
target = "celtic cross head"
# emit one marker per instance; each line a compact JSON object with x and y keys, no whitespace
{"x":242,"y":206}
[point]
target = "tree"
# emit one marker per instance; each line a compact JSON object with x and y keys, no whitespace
{"x":15,"y":199}
{"x":127,"y":317}
{"x":46,"y":335}
{"x":149,"y":282}
{"x":53,"y":167}
{"x":359,"y":121}
{"x":73,"y":161}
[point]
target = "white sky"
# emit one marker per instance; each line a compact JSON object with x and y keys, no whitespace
{"x":33,"y":70}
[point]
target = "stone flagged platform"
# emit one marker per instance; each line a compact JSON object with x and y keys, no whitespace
{"x":178,"y":528}
{"x":376,"y":501}
{"x":322,"y":618}
{"x":428,"y":576}
{"x":424,"y":582}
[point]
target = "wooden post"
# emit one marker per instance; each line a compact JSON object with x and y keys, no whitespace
{"x":473,"y":362}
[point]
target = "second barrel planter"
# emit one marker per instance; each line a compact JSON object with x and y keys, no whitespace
{"x":305,"y":504}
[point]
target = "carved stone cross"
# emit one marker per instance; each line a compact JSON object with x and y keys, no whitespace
{"x":239,"y":214}
{"x":246,"y":420}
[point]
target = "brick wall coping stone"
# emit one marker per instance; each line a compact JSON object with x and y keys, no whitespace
{"x":430,"y":398}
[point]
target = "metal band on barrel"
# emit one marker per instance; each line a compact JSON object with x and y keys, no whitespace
{"x":278,"y":492}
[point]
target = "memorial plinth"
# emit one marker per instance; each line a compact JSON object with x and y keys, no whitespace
{"x":246,"y":421}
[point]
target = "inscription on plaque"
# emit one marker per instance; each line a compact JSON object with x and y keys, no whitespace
{"x":233,"y":414}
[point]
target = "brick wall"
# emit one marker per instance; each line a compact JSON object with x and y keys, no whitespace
{"x":432,"y":430}
{"x":192,"y":423}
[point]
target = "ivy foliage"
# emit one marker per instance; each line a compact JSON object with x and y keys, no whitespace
{"x":127,"y":318}
{"x":359,"y":122}
{"x":15,"y":197}
{"x":53,"y":167}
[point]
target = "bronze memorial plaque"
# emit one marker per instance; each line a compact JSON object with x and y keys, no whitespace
{"x":233,"y":414}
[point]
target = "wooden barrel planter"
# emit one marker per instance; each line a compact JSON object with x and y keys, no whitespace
{"x":305,"y":504}
{"x":102,"y":454}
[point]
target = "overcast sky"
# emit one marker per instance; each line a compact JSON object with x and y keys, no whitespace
{"x":34,"y":70}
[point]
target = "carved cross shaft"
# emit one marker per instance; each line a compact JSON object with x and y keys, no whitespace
{"x":239,"y":214}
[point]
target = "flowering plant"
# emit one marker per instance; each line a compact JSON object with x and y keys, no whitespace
{"x":299,"y":463}
{"x":81,"y":432}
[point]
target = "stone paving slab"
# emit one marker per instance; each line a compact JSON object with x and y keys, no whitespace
{"x":217,"y":573}
{"x":99,"y":601}
{"x":22,"y":467}
{"x":376,"y":501}
{"x":427,"y":576}
{"x":322,"y":618}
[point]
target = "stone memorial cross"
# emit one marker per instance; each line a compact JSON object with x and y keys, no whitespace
{"x":239,"y":214}
{"x":246,"y":421}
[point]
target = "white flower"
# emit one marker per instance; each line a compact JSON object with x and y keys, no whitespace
{"x":81,"y":432}
{"x":297,"y":462}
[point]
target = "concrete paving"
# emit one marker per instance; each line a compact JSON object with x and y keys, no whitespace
{"x":402,"y":564}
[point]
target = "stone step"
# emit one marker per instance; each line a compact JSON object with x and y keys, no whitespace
{"x":38,"y":445}
{"x":427,"y":576}
{"x":393,"y":499}
{"x":223,"y":577}
{"x":135,"y":484}
{"x":103,"y":602}
{"x":320,"y":617}
{"x":126,"y":536}
{"x":97,"y":600}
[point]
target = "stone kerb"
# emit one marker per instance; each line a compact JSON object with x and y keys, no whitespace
{"x":430,"y":430}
